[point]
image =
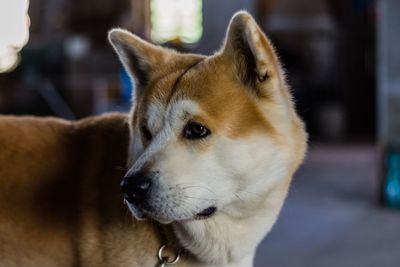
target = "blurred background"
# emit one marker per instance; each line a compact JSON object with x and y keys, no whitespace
{"x":343,"y":64}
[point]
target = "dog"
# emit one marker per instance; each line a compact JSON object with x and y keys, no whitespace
{"x":207,"y":155}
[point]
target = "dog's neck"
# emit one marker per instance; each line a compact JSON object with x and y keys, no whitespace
{"x":227,"y":241}
{"x":217,"y":242}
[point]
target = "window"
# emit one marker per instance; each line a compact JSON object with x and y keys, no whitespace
{"x":177,"y":20}
{"x":14,"y":32}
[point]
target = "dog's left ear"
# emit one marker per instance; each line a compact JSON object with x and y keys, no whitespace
{"x":250,"y":53}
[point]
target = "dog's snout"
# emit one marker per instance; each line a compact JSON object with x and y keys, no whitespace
{"x":135,"y":187}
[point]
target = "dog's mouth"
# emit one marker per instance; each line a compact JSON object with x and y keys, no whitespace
{"x":206,"y":213}
{"x":137,"y":212}
{"x":142,"y":214}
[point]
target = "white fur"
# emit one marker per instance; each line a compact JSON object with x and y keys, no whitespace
{"x":243,"y":178}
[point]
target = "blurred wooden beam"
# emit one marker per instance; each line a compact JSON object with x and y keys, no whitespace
{"x":140,"y":20}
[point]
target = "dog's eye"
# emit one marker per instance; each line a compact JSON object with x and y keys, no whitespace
{"x":146,"y":133}
{"x":195,"y":130}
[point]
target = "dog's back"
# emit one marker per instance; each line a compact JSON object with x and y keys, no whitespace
{"x":60,"y":201}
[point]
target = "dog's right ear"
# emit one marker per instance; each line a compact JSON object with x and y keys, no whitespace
{"x":139,"y":57}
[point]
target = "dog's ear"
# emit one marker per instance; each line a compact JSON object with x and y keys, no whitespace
{"x":139,"y":57}
{"x":250,"y":53}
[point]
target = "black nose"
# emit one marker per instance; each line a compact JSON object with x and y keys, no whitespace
{"x":135,"y":187}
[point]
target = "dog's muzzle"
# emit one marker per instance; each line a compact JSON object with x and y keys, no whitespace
{"x":137,"y":190}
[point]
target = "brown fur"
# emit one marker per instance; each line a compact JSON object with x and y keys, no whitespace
{"x":60,"y":201}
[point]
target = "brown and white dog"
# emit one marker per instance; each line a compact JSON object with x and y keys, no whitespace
{"x":208,"y":153}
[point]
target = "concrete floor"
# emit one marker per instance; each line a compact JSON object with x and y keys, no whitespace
{"x":331,"y":217}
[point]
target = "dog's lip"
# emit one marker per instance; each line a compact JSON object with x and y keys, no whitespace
{"x":136,"y":211}
{"x":158,"y":219}
{"x":206,"y":213}
{"x":141,"y":213}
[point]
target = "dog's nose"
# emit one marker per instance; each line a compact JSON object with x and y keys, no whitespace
{"x":135,"y":187}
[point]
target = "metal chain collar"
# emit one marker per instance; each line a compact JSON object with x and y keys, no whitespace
{"x":164,"y":260}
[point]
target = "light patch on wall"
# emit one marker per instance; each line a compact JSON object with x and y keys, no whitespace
{"x":14,"y":32}
{"x":177,"y":20}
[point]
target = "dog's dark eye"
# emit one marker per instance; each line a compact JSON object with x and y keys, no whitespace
{"x":195,"y":130}
{"x":146,"y":133}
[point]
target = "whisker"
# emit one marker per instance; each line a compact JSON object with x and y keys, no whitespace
{"x":184,"y":206}
{"x":211,"y":199}
{"x":196,"y":186}
{"x":248,"y":192}
{"x":192,"y":186}
{"x":238,"y":197}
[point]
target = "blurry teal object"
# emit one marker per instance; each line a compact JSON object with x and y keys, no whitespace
{"x":392,"y":182}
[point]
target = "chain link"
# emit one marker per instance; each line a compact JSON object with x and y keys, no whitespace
{"x":163,"y":260}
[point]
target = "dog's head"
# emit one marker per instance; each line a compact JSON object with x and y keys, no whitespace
{"x":209,"y":134}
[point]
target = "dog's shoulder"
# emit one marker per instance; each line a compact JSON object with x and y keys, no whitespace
{"x":115,"y":120}
{"x":106,"y":134}
{"x":12,"y":127}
